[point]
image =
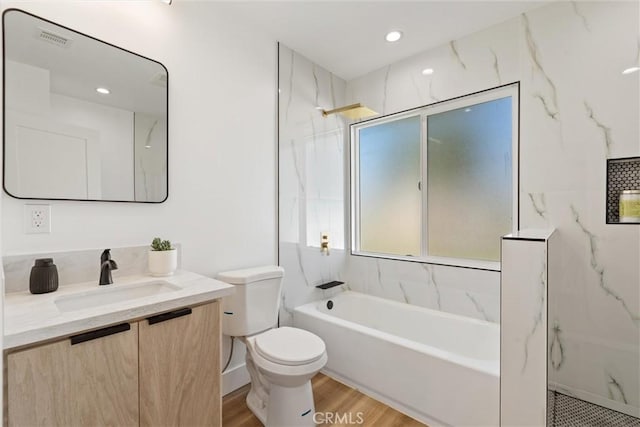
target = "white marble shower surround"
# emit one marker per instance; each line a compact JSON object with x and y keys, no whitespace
{"x":465,"y":291}
{"x":526,"y":259}
{"x":312,"y":162}
{"x":577,"y":109}
{"x":594,"y":315}
{"x":305,"y":269}
{"x":311,"y":179}
{"x":77,"y":266}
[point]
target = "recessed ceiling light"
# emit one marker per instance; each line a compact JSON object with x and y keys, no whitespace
{"x":631,"y":70}
{"x":103,"y":90}
{"x":393,"y":36}
{"x":427,"y":71}
{"x":466,"y":110}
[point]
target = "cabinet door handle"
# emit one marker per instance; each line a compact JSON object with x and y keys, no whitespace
{"x":168,"y":316}
{"x":88,"y":336}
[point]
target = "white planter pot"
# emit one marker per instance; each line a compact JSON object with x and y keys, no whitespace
{"x":163,"y":263}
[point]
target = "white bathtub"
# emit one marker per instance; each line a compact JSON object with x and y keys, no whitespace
{"x":440,"y":368}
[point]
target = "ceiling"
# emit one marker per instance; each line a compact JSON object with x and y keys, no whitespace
{"x":347,"y":37}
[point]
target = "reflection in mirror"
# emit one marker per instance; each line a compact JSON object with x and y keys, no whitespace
{"x":84,"y":120}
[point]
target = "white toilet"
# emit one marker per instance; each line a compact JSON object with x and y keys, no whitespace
{"x":280,"y":361}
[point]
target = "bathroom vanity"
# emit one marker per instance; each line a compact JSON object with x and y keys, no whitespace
{"x":144,"y":351}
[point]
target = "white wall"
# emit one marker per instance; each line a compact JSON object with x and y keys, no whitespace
{"x":221,"y":204}
{"x":1,"y":307}
{"x":27,"y":88}
{"x":221,"y":197}
{"x":115,"y":128}
{"x":31,"y":94}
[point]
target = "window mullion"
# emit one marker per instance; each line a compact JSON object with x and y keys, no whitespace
{"x":423,"y":185}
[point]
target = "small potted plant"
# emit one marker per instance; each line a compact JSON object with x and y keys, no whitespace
{"x":163,"y":258}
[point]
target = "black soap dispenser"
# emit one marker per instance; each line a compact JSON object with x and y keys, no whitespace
{"x":44,"y":276}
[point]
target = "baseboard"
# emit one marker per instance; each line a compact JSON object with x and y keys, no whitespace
{"x":634,"y":411}
{"x":234,"y":378}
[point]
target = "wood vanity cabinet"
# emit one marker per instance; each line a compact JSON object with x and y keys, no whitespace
{"x":180,"y":368}
{"x":160,"y":371}
{"x":75,"y":384}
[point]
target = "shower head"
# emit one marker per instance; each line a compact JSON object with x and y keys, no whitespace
{"x":353,"y":111}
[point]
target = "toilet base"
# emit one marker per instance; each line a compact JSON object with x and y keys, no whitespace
{"x":278,"y":406}
{"x":284,"y":407}
{"x":258,"y":407}
{"x":258,"y":397}
{"x":281,"y":395}
{"x":290,"y":406}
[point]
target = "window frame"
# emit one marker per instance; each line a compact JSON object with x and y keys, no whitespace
{"x":511,"y":90}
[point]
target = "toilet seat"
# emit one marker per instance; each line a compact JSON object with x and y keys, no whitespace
{"x":289,"y":346}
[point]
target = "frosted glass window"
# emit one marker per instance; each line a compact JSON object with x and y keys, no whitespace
{"x":438,"y":183}
{"x":389,"y":174}
{"x":469,"y":177}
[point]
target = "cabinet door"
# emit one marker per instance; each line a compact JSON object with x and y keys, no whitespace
{"x":180,"y":368}
{"x":90,"y":379}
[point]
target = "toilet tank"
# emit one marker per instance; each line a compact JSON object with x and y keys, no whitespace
{"x":254,"y":305}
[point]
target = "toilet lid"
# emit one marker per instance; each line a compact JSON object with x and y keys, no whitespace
{"x":289,"y":346}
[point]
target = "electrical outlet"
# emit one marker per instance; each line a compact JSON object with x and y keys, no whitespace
{"x":37,"y":219}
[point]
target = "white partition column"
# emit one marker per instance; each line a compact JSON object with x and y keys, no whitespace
{"x":523,"y":336}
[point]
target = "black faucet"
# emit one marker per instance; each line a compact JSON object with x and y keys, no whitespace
{"x":106,"y":265}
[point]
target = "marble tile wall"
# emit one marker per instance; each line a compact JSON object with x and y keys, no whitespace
{"x":76,"y":266}
{"x":484,"y":60}
{"x":465,"y":291}
{"x":311,"y":179}
{"x":313,"y":160}
{"x":577,"y":110}
{"x":525,"y":279}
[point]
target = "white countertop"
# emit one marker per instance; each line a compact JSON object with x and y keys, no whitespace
{"x":30,"y":318}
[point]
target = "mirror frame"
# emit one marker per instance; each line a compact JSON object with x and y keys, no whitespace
{"x":4,"y":112}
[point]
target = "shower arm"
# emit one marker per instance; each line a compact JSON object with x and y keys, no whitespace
{"x":325,"y":113}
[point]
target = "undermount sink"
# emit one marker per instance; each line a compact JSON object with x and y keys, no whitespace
{"x":111,"y":294}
